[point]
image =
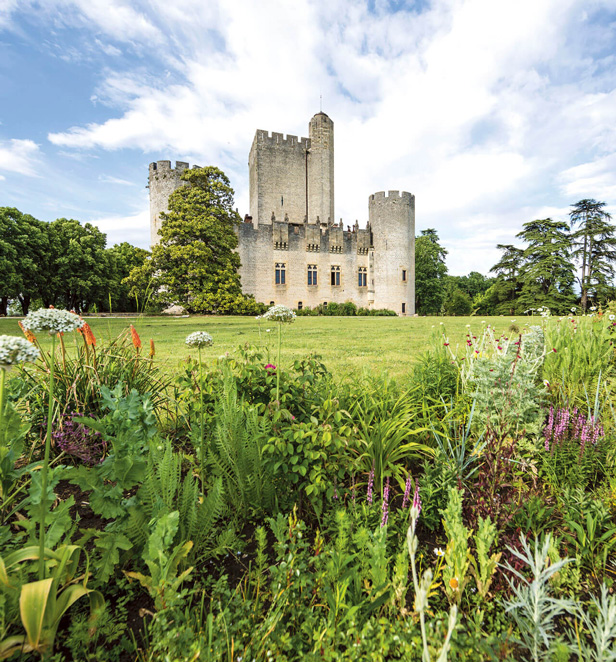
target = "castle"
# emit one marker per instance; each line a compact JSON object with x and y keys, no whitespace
{"x":291,"y":250}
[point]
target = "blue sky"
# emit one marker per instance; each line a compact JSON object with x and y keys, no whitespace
{"x":491,"y":112}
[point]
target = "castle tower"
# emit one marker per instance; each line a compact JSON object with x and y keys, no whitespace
{"x":320,"y":176}
{"x":392,"y":220}
{"x":277,"y":174}
{"x":163,"y":180}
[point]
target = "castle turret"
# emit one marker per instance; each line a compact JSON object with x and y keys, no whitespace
{"x":320,"y":176}
{"x":392,"y":221}
{"x":163,"y":180}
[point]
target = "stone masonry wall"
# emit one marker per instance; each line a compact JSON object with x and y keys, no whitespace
{"x":277,"y":169}
{"x":162,"y":181}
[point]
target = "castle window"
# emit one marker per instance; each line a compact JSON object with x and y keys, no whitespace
{"x":312,"y":274}
{"x":280,"y":273}
{"x":403,"y":308}
{"x":335,"y":276}
{"x":404,"y":276}
{"x":300,"y":305}
{"x":271,"y":303}
{"x":362,"y":277}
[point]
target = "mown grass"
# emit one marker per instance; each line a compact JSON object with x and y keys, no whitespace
{"x":346,"y":344}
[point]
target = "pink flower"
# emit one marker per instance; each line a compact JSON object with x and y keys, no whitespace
{"x":270,"y":367}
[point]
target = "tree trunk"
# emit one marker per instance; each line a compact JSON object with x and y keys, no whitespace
{"x":24,"y":300}
{"x":4,"y":302}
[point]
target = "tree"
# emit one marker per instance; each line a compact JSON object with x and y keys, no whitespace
{"x":595,"y":248}
{"x":430,"y":272}
{"x":123,"y":258}
{"x":508,"y":285}
{"x":24,"y":257}
{"x":80,"y":265}
{"x":457,"y":303}
{"x":195,"y":263}
{"x":548,"y":274}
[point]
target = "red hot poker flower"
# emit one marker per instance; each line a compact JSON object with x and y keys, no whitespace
{"x":135,"y":338}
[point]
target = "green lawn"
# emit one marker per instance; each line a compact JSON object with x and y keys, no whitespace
{"x":347,"y":344}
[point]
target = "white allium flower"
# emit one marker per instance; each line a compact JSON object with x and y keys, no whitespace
{"x":279,"y":314}
{"x":52,"y":320}
{"x":14,"y":350}
{"x":199,"y":339}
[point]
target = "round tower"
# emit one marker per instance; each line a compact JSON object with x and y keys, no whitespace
{"x":392,"y":222}
{"x":163,"y":180}
{"x":320,"y":172}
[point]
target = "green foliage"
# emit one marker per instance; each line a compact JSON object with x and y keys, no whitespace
{"x":547,"y":277}
{"x":123,"y":258}
{"x":532,"y":607}
{"x":483,"y":566}
{"x":458,"y":303}
{"x":430,"y":272}
{"x":195,"y":263}
{"x":163,"y":560}
{"x":508,"y":285}
{"x":235,"y":452}
{"x":128,"y":427}
{"x":43,"y":603}
{"x":457,"y":554}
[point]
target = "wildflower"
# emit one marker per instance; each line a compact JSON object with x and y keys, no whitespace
{"x":270,"y":367}
{"x":593,"y":308}
{"x":407,"y":492}
{"x":417,"y":499}
{"x":199,"y":339}
{"x":554,"y":350}
{"x":438,"y":551}
{"x":573,"y":309}
{"x":267,"y":330}
{"x":152,"y":348}
{"x":546,"y":383}
{"x":454,"y":584}
{"x":14,"y":350}
{"x":446,"y":344}
{"x":52,"y":320}
{"x":385,"y":504}
{"x":612,"y":317}
{"x":370,"y":486}
{"x":280,"y":314}
{"x":30,"y":337}
{"x":135,"y":337}
{"x":88,"y":335}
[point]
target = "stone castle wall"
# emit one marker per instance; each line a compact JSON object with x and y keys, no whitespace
{"x":291,"y":224}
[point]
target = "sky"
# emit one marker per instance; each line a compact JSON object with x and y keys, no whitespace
{"x":492,"y":113}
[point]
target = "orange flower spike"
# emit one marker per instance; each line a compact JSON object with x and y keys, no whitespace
{"x":30,"y":337}
{"x":152,"y":348}
{"x":135,"y":337}
{"x":88,"y":335}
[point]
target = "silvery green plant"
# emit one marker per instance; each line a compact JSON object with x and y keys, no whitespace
{"x":52,"y":321}
{"x":282,"y":315}
{"x":532,"y":607}
{"x":504,"y":382}
{"x":602,"y":630}
{"x":200,"y":339}
{"x":422,"y":591}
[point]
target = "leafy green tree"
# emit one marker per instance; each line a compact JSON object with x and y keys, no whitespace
{"x":548,"y":274}
{"x":508,"y":286}
{"x":80,"y":265}
{"x":457,"y":303}
{"x":594,"y":247}
{"x":430,"y":272}
{"x":195,"y":263}
{"x":24,"y":257}
{"x":123,"y":258}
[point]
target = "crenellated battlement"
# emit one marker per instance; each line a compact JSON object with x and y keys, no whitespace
{"x":390,"y":196}
{"x":279,"y":139}
{"x":164,"y":167}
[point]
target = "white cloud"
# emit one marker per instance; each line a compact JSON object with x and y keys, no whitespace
{"x":488,"y":111}
{"x":20,"y":156}
{"x":109,"y":179}
{"x":135,"y":228}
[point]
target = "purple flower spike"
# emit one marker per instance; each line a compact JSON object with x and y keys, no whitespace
{"x":417,"y":498}
{"x":407,"y":492}
{"x":385,"y":504}
{"x":370,"y":485}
